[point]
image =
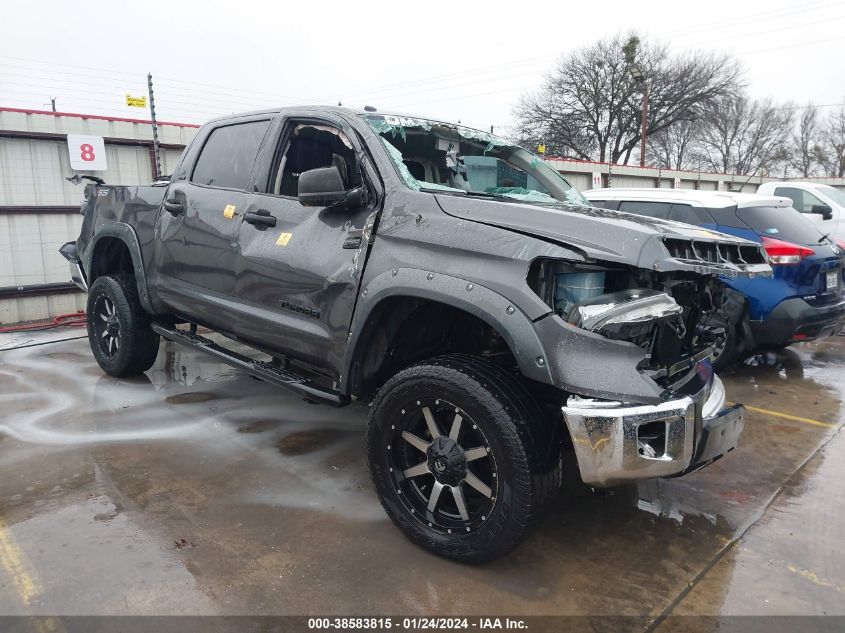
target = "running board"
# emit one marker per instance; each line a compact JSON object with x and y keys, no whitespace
{"x":256,"y":368}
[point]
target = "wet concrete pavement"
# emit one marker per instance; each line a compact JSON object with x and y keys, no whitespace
{"x":197,"y":490}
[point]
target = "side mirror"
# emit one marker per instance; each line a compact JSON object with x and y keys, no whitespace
{"x":823,"y":210}
{"x":323,"y":187}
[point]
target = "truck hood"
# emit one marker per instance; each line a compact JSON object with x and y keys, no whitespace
{"x":615,"y":236}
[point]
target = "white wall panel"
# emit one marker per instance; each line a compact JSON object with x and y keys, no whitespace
{"x":39,"y":308}
{"x":33,"y":172}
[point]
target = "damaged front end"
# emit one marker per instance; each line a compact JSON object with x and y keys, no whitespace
{"x":646,"y":402}
{"x":665,"y":315}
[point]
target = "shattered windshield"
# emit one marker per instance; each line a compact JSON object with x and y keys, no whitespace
{"x":453,"y":159}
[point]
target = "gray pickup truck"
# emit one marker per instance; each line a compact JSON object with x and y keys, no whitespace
{"x":495,"y":322}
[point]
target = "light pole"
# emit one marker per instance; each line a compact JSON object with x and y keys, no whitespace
{"x":637,"y":74}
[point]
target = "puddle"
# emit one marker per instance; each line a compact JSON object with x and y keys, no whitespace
{"x":303,"y":442}
{"x":260,"y":426}
{"x":68,"y":356}
{"x":191,"y":398}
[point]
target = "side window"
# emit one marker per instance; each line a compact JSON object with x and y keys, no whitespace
{"x":725,"y":216}
{"x":684,"y":213}
{"x":226,"y":158}
{"x":649,"y":209}
{"x":310,"y":146}
{"x":802,"y":200}
{"x":810,"y":201}
{"x":604,"y":204}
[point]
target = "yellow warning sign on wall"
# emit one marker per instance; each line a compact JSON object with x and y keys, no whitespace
{"x":136,"y":102}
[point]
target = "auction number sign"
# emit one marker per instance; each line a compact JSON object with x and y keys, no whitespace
{"x":86,"y":152}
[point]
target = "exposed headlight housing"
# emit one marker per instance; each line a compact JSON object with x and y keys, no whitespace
{"x":604,"y":299}
{"x":625,"y":313}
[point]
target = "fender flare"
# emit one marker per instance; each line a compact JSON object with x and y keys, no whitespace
{"x":515,"y":328}
{"x":126,"y":234}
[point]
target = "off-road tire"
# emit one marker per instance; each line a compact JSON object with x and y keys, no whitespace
{"x":521,"y":442}
{"x":136,"y":345}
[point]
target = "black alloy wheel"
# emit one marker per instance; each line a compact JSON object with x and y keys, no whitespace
{"x":463,"y":458}
{"x":107,"y":326}
{"x":442,"y":464}
{"x":119,"y":332}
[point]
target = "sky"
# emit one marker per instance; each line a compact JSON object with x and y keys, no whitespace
{"x":467,"y":61}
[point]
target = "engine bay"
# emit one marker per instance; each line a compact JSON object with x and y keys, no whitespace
{"x":670,"y":315}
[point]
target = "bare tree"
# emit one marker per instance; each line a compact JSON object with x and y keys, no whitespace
{"x":676,"y":147}
{"x":832,"y":156}
{"x":806,"y":151}
{"x":589,"y":104}
{"x":745,"y":137}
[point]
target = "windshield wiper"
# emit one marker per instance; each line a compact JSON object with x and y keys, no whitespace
{"x":461,"y":192}
{"x":493,"y":196}
{"x":824,"y":237}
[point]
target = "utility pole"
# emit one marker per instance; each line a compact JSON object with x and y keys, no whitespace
{"x":638,"y":73}
{"x":156,"y":149}
{"x":644,"y":130}
{"x":53,"y":103}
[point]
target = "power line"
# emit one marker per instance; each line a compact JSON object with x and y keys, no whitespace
{"x":186,"y":98}
{"x":441,"y":78}
{"x":776,"y":30}
{"x":49,"y":85}
{"x":758,"y":17}
{"x":393,"y":97}
{"x":469,"y":96}
{"x":808,"y":106}
{"x":52,"y":63}
{"x":787,"y":46}
{"x":218,"y":87}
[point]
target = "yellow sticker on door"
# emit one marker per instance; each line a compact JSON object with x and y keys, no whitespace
{"x":284,"y":238}
{"x":229,"y":211}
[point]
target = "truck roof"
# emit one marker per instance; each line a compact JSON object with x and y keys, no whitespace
{"x":280,"y":109}
{"x":800,"y":184}
{"x":714,"y":199}
{"x":337,"y":110}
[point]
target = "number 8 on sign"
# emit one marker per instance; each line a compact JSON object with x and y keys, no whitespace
{"x":86,"y":153}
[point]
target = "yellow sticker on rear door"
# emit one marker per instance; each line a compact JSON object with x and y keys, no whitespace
{"x":229,"y":211}
{"x":284,"y":238}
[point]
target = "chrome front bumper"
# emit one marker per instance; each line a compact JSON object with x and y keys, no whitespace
{"x":615,"y":443}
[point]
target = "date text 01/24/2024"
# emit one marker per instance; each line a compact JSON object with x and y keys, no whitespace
{"x":416,"y":623}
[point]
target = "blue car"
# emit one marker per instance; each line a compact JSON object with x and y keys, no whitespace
{"x":802,"y":301}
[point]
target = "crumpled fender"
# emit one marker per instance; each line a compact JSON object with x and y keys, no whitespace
{"x":591,"y":365}
{"x":513,"y":325}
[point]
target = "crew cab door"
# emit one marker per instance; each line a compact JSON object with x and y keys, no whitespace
{"x":299,"y":270}
{"x":199,"y":223}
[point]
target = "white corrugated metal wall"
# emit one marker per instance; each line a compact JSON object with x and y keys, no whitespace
{"x":39,"y":207}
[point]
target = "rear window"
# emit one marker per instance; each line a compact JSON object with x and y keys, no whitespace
{"x":686,"y":213}
{"x":782,"y":223}
{"x":648,"y":209}
{"x":604,"y":204}
{"x":228,"y":154}
{"x":665,"y":211}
